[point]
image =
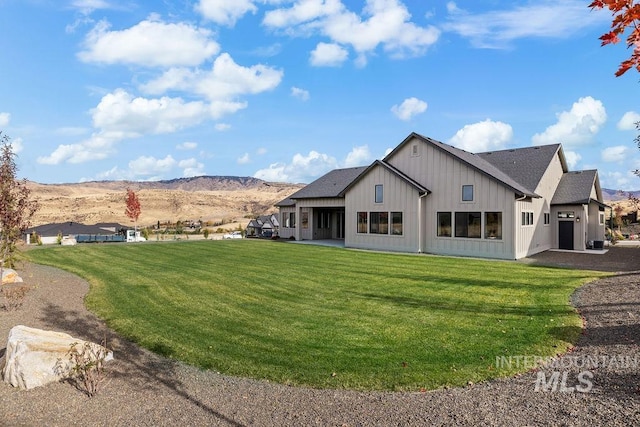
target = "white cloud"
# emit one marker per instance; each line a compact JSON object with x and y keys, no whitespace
{"x":302,"y":94}
{"x":301,"y":169}
{"x":120,"y":116}
{"x":149,"y":165}
{"x":358,"y":156}
{"x":615,"y":154}
{"x":134,"y":116}
{"x":86,"y":7}
{"x":618,"y":180}
{"x":244,"y":159}
{"x":499,"y":28}
{"x":149,"y":43}
{"x":629,"y":120}
{"x":191,"y":167}
{"x":328,"y":55}
{"x":225,"y":12}
{"x":223,"y":83}
{"x":575,"y":127}
{"x":383,"y":23}
{"x":17,"y":145}
{"x":221,"y":127}
{"x":409,"y":108}
{"x":5,"y":118}
{"x":187,"y":146}
{"x":572,"y":159}
{"x":483,"y":136}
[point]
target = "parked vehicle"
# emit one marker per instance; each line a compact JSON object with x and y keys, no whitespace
{"x":233,"y":235}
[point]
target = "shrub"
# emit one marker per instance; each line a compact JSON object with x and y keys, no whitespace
{"x":87,"y":366}
{"x":206,"y":233}
{"x":13,"y":295}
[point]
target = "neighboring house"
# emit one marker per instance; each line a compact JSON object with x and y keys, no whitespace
{"x":48,"y":233}
{"x":263,"y":226}
{"x":427,"y":196}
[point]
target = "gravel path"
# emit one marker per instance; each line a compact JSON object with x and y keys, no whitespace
{"x":145,"y":389}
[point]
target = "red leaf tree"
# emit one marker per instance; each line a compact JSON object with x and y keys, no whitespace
{"x":133,"y":207}
{"x":626,"y":16}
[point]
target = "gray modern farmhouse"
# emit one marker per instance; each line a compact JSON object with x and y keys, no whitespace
{"x":427,"y":196}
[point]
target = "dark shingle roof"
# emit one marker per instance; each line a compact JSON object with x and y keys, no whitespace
{"x":475,"y":161}
{"x":331,"y":184}
{"x":285,"y":203}
{"x":75,"y":228}
{"x":575,"y":188}
{"x":525,"y":165}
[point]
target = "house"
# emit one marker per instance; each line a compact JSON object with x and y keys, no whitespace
{"x":427,"y":196}
{"x":48,"y":233}
{"x":263,"y":226}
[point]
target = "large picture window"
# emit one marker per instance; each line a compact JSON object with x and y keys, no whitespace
{"x":362,"y":222}
{"x":379,"y":223}
{"x":444,"y":224}
{"x":468,"y":224}
{"x":396,"y":223}
{"x":493,"y":225}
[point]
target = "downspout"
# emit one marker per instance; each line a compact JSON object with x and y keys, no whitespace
{"x":515,"y":228}
{"x":420,"y":197}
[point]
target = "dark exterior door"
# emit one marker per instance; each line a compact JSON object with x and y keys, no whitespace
{"x":565,"y":235}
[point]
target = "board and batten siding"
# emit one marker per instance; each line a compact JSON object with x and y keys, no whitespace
{"x":307,"y":206}
{"x":539,"y":236}
{"x":398,"y":196}
{"x":444,"y":175}
{"x":286,"y":232}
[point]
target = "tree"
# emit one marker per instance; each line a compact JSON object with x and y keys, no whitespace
{"x":16,"y":209}
{"x":133,"y":207}
{"x":626,"y":15}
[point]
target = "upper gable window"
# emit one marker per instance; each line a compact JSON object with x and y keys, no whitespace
{"x":378,"y":194}
{"x":467,"y":193}
{"x":415,"y":150}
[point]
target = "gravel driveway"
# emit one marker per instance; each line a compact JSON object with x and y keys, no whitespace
{"x":145,"y":389}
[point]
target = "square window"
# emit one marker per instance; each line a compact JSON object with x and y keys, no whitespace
{"x":378,"y":196}
{"x":379,"y":223}
{"x":467,"y":193}
{"x":468,"y":224}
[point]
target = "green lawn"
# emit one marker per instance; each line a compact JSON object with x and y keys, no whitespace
{"x":326,"y":317}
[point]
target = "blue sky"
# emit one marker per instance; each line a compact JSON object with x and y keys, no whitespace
{"x":287,"y":90}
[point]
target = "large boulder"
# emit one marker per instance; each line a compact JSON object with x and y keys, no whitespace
{"x":9,"y":275}
{"x":35,"y":357}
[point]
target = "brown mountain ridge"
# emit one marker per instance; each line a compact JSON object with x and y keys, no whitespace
{"x":230,"y":199}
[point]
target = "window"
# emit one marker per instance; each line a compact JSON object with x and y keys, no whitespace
{"x":468,"y":224}
{"x":289,"y":219}
{"x":379,"y":223}
{"x":527,"y":218}
{"x":467,"y":193}
{"x":444,"y":224}
{"x":415,"y":150}
{"x":362,"y":222}
{"x":493,"y":225}
{"x":547,"y":218}
{"x":305,"y":219}
{"x":396,"y":223}
{"x":324,"y":220}
{"x":601,"y":218}
{"x":378,"y":196}
{"x":566,"y":214}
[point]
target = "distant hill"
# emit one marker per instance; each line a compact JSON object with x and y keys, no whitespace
{"x":209,"y":198}
{"x":616,"y":195}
